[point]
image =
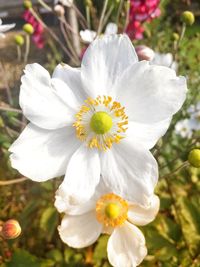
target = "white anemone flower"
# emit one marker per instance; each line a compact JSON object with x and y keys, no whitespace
{"x":107,"y":213}
{"x":100,"y":119}
{"x":184,"y":128}
{"x":88,"y":35}
{"x":164,"y":60}
{"x":5,"y":28}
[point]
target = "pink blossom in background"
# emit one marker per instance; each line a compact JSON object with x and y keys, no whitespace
{"x":141,"y":11}
{"x":37,"y":36}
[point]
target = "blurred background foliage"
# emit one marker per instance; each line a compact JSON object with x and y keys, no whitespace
{"x":173,"y":239}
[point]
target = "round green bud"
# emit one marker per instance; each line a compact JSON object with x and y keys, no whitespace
{"x":19,"y":40}
{"x":176,"y":36}
{"x":188,"y":18}
{"x":194,"y":158}
{"x":101,"y":122}
{"x":28,"y":28}
{"x":27,"y":4}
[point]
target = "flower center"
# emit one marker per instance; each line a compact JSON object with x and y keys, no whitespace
{"x":101,"y":122}
{"x":111,"y":210}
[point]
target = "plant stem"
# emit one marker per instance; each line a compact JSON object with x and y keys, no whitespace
{"x":185,"y":164}
{"x":119,"y":11}
{"x":14,"y":181}
{"x":100,"y":28}
{"x":27,"y":50}
{"x":19,"y":53}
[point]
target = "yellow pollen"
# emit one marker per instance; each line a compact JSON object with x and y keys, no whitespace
{"x":111,"y":210}
{"x":101,"y":122}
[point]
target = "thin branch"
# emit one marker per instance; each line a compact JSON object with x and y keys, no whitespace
{"x":14,"y":181}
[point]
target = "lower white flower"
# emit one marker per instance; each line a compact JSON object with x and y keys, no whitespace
{"x":88,"y":35}
{"x":184,"y":128}
{"x":107,"y":213}
{"x":5,"y":28}
{"x":100,"y":119}
{"x":164,"y":60}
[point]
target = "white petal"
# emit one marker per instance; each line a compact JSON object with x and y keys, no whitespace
{"x":87,"y":35}
{"x":6,"y":27}
{"x":72,"y":77}
{"x":126,"y":246}
{"x":66,"y":203}
{"x":146,"y":135}
{"x":130,"y":172}
{"x":151,"y":93}
{"x":111,"y":28}
{"x":43,"y":154}
{"x":40,"y":102}
{"x":83,"y":174}
{"x":140,"y":215}
{"x":80,"y":231}
{"x":104,"y":62}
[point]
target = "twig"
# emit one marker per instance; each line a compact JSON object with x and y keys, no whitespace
{"x":10,"y":109}
{"x":53,"y":35}
{"x":185,"y":164}
{"x":14,"y":181}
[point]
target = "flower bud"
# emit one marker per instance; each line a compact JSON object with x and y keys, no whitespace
{"x":10,"y":229}
{"x":188,"y":18}
{"x":144,"y":52}
{"x":27,"y":4}
{"x":176,"y":36}
{"x":194,"y":158}
{"x":59,"y":10}
{"x":28,"y":28}
{"x":19,"y":40}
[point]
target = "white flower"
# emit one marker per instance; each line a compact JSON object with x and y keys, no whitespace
{"x":184,"y":128}
{"x":88,"y":35}
{"x":107,"y":213}
{"x":164,"y":60}
{"x":67,"y":3}
{"x":101,"y":118}
{"x":194,"y":112}
{"x":5,"y":28}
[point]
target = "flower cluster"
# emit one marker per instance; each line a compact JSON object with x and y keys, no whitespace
{"x":96,"y":125}
{"x":37,"y":36}
{"x":141,"y":11}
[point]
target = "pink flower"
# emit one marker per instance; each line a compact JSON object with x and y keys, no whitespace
{"x":37,"y":37}
{"x":140,"y":11}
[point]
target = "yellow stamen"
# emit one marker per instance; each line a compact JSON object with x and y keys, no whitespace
{"x":101,"y":122}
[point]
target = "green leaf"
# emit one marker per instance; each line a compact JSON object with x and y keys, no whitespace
{"x":100,"y":252}
{"x":49,"y":221}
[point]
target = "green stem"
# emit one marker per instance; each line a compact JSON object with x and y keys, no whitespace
{"x":100,"y":28}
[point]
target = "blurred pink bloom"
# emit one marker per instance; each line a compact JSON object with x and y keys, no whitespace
{"x":140,"y":11}
{"x":37,"y":37}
